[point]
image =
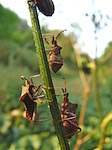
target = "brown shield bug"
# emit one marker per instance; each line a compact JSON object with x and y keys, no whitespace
{"x":68,"y":115}
{"x":28,"y":95}
{"x":45,"y":6}
{"x":54,"y":57}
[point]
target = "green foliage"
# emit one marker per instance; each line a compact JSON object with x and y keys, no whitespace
{"x":18,"y":57}
{"x":85,"y":63}
{"x":8,"y":20}
{"x":107,"y":53}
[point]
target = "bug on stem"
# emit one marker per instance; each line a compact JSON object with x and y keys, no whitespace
{"x":45,"y":6}
{"x":28,"y":95}
{"x":55,"y":58}
{"x":68,"y":115}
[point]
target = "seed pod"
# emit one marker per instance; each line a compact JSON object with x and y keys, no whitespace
{"x":45,"y":6}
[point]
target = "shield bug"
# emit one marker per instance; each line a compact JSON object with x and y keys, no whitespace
{"x":54,"y":57}
{"x":28,"y":95}
{"x":68,"y":115}
{"x":45,"y":6}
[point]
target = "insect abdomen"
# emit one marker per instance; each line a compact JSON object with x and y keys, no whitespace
{"x":55,"y":62}
{"x":45,"y":6}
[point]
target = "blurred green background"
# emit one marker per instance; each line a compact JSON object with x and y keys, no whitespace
{"x":18,"y":57}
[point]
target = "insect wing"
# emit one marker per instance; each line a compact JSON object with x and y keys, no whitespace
{"x":31,"y":114}
{"x":30,"y":107}
{"x":45,"y":6}
{"x":24,"y":93}
{"x":55,"y":62}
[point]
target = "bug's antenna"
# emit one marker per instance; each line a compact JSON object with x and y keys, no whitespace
{"x":52,"y":39}
{"x":46,"y":41}
{"x":60,"y":33}
{"x":65,"y":84}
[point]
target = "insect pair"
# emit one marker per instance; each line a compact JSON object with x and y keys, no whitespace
{"x":45,"y":6}
{"x":68,"y":111}
{"x":54,"y":58}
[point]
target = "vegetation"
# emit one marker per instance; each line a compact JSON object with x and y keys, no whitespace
{"x":18,"y":57}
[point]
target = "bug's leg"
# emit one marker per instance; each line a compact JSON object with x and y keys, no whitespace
{"x":64,"y":91}
{"x":37,"y":90}
{"x":49,"y":88}
{"x":43,"y":90}
{"x":53,"y":40}
{"x":40,"y":120}
{"x":51,"y":50}
{"x":72,"y":123}
{"x":23,"y":78}
{"x":37,"y":98}
{"x":41,"y":96}
{"x":67,"y":119}
{"x":46,"y":41}
{"x":60,"y":94}
{"x":73,"y":116}
{"x":49,"y":35}
{"x":34,"y":76}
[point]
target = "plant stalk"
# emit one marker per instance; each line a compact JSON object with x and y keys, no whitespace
{"x":46,"y":76}
{"x":96,"y":94}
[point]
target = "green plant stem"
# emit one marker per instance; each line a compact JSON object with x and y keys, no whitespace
{"x":46,"y":76}
{"x":104,"y":124}
{"x":96,"y":93}
{"x":96,"y":86}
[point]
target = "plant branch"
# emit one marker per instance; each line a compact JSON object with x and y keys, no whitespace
{"x":46,"y":76}
{"x":79,"y":63}
{"x":87,"y":89}
{"x":104,"y":124}
{"x":96,"y":94}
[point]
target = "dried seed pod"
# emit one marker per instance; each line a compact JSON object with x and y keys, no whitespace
{"x":68,"y":115}
{"x":28,"y":95}
{"x":45,"y":6}
{"x":55,"y":58}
